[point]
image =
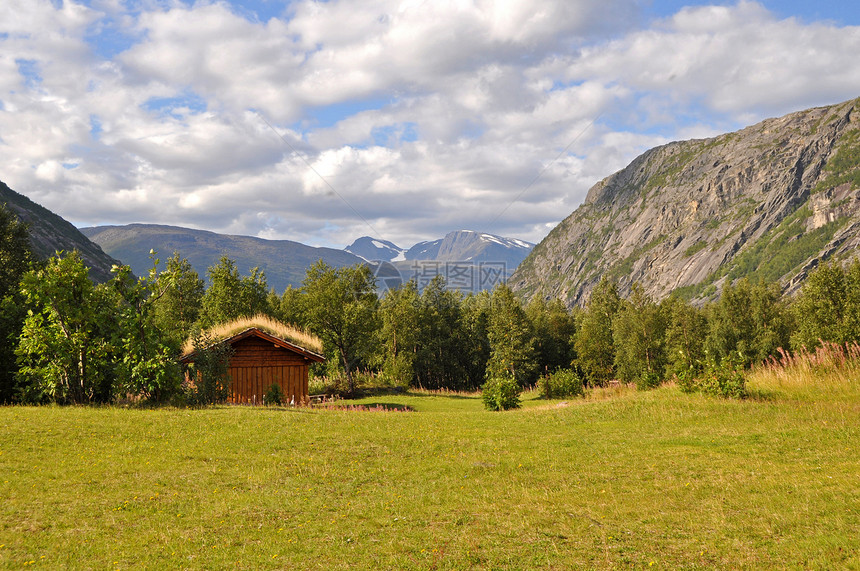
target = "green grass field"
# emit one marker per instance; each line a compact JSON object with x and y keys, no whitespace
{"x":623,"y":479}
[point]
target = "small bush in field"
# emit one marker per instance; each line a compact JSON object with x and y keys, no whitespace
{"x":274,"y":395}
{"x":726,"y":379}
{"x":687,"y":381}
{"x":647,"y":380}
{"x":561,"y":384}
{"x":501,"y":393}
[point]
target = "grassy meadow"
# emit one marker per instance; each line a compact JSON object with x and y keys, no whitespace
{"x":618,"y":480}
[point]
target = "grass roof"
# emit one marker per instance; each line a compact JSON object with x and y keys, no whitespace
{"x":271,"y":326}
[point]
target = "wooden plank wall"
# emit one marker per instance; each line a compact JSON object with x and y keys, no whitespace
{"x":257,"y":364}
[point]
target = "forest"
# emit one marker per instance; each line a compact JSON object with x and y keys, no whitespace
{"x":68,"y":340}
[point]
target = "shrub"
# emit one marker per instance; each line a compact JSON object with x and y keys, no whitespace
{"x":274,"y":395}
{"x":501,"y":393}
{"x":647,"y":380}
{"x":687,"y":380}
{"x":560,"y":384}
{"x":726,"y":379}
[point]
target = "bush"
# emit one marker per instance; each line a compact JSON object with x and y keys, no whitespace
{"x":687,"y":381}
{"x":501,"y":393}
{"x":647,"y":380}
{"x":274,"y":395}
{"x":725,"y":379}
{"x":561,"y":384}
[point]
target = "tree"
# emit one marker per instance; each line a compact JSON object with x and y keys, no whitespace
{"x":15,"y":259}
{"x":638,"y":335}
{"x":512,"y":352}
{"x":400,"y":312}
{"x":828,"y":307}
{"x":15,"y":252}
{"x":231,"y":296}
{"x":147,"y":366}
{"x":290,"y":308}
{"x":442,"y":341}
{"x":554,"y":328}
{"x":749,"y":319}
{"x":177,"y":307}
{"x":65,"y":348}
{"x":209,"y":370}
{"x":339,"y":307}
{"x":475,"y":352}
{"x":686,"y":330}
{"x":593,"y":341}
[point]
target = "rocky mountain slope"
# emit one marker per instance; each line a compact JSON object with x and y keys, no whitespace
{"x":50,"y":233}
{"x":283,"y":261}
{"x":769,"y":202}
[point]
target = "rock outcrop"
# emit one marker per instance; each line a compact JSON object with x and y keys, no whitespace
{"x":769,"y":202}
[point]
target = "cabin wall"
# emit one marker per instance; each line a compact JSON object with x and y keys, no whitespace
{"x":256,"y":364}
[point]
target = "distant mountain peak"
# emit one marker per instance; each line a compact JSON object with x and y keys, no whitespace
{"x":375,"y":249}
{"x":456,"y":246}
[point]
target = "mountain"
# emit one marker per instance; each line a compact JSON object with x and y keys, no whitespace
{"x":469,"y":261}
{"x":283,"y":261}
{"x":768,"y":202}
{"x":485,"y":258}
{"x":372,"y":249}
{"x":424,"y":250}
{"x":475,"y":247}
{"x":459,"y":246}
{"x":50,"y":233}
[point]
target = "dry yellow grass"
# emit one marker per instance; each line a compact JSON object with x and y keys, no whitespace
{"x":829,"y":368}
{"x":286,"y":332}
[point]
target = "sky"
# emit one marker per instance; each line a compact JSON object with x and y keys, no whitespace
{"x":404,"y":120}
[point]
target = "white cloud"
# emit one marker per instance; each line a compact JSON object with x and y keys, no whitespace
{"x":738,"y":60}
{"x":422,"y":117}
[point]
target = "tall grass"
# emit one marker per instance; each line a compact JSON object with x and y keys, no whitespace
{"x":830,"y":368}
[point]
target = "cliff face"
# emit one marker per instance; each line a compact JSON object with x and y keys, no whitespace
{"x":769,"y":202}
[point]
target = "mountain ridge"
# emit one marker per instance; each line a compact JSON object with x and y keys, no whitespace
{"x":285,"y":262}
{"x":49,"y":233}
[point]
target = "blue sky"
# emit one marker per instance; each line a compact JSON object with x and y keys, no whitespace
{"x":401,"y":119}
{"x":841,"y":12}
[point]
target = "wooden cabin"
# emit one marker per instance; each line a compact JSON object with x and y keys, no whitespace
{"x":260,"y":360}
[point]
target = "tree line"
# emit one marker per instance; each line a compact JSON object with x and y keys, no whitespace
{"x":65,"y":339}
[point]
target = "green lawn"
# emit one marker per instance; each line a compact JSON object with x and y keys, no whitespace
{"x":654,"y":480}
